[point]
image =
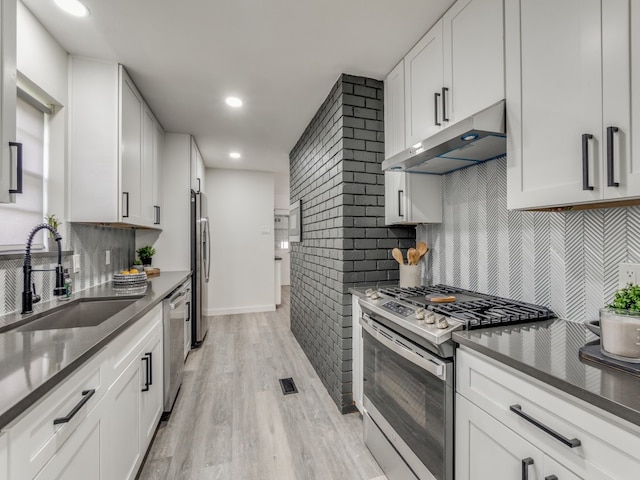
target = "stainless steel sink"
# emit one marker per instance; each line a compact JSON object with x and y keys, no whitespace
{"x":81,"y":313}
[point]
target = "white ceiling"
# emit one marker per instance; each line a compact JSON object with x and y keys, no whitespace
{"x":280,"y":56}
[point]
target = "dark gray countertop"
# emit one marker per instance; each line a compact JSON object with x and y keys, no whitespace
{"x":33,"y":362}
{"x":548,"y":351}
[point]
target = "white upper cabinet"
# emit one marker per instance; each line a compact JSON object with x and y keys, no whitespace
{"x":423,"y":77}
{"x":113,"y":151}
{"x":197,"y":167}
{"x":412,"y":198}
{"x":473,"y":43}
{"x":569,"y":102}
{"x":454,"y":71}
{"x":394,"y":111}
{"x":8,"y":158}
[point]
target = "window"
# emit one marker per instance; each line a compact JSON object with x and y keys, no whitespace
{"x":17,"y":219}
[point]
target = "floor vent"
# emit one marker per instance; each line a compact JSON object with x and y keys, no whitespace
{"x":288,"y":386}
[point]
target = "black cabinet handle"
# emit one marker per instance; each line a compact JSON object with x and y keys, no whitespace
{"x":610,"y":133}
{"x":585,"y":161}
{"x":156,"y":211}
{"x":436,"y":97}
{"x":400,"y":193}
{"x":188,"y":319}
{"x":145,"y":359}
{"x":550,"y":477}
{"x":198,"y":184}
{"x":569,"y":442}
{"x":525,"y":467}
{"x":150,"y":355}
{"x":444,"y":104}
{"x":18,"y":188}
{"x":125,"y":201}
{"x":86,"y":395}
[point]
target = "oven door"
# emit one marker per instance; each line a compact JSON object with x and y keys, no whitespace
{"x":408,"y":393}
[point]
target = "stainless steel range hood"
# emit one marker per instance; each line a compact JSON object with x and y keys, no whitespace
{"x":473,"y":140}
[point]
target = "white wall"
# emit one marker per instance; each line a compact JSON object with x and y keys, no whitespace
{"x":42,"y":70}
{"x":241,"y":205}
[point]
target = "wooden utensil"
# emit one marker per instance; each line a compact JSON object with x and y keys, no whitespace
{"x":413,"y":256}
{"x":448,"y":299}
{"x":422,"y":249}
{"x":397,"y":254}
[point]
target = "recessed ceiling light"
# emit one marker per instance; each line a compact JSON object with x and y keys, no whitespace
{"x":233,"y":102}
{"x":235,"y":155}
{"x":73,"y":7}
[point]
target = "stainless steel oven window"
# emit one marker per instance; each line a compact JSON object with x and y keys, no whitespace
{"x":417,"y":404}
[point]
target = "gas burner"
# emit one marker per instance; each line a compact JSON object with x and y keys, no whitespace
{"x":473,"y":310}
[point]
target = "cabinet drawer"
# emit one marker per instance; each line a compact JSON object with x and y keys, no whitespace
{"x":124,"y":348}
{"x":608,"y":446}
{"x":38,"y":435}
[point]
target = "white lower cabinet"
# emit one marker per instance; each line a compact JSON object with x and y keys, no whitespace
{"x":4,"y":455}
{"x":82,"y":454}
{"x":356,"y":339}
{"x":494,"y":440}
{"x":124,"y":423}
{"x":84,"y":430}
{"x":135,"y":396}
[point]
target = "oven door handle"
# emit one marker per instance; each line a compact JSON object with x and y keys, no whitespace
{"x":422,"y":359}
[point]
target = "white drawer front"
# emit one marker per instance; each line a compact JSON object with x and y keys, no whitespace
{"x":35,"y":438}
{"x":608,"y":449}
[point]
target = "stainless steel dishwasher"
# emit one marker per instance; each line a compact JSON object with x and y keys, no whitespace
{"x":176,"y":311}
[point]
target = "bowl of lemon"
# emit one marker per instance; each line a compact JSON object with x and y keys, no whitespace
{"x":129,"y":278}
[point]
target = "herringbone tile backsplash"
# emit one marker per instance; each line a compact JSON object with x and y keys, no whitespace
{"x":567,"y":261}
{"x":87,"y":240}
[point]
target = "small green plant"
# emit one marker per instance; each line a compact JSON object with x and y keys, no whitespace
{"x":627,"y":298}
{"x":53,"y":222}
{"x":145,"y":253}
{"x":137,"y":261}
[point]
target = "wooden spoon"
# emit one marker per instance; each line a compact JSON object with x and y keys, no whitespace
{"x":412,"y":256}
{"x":422,"y":249}
{"x":397,"y":254}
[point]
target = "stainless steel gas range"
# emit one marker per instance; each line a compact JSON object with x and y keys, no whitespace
{"x":408,"y":369}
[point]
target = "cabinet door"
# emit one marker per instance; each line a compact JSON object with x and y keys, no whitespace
{"x":194,"y":166}
{"x":7,"y":97}
{"x":4,"y":455}
{"x":423,"y":77}
{"x":158,"y":152}
{"x":82,"y":454}
{"x":621,"y":108}
{"x":187,"y":330}
{"x":473,"y":45}
{"x":151,"y":389}
{"x":147,"y":168}
{"x":554,"y":97}
{"x":394,"y":130}
{"x":395,"y":197}
{"x":356,"y":313}
{"x":131,"y":152}
{"x":124,"y":423}
{"x":485,"y":448}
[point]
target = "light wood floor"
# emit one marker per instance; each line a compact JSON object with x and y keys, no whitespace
{"x":231,"y":420}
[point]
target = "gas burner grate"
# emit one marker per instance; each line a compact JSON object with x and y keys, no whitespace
{"x":477,"y":312}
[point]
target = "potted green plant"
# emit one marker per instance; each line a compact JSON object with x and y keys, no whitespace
{"x":54,"y":222}
{"x":137,"y":264}
{"x":145,"y":254}
{"x":620,"y":325}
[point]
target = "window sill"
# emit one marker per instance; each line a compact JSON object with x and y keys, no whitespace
{"x":17,"y":254}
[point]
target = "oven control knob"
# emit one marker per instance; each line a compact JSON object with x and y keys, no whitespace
{"x":441,"y":322}
{"x":430,"y":317}
{"x":368,"y":292}
{"x":420,"y":314}
{"x":374,"y":296}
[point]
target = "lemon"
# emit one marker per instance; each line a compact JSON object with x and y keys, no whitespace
{"x":133,"y":270}
{"x":124,"y":272}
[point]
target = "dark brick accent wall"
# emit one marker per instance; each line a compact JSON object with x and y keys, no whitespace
{"x":335,"y":169}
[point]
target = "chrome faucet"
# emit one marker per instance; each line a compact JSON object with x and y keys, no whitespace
{"x":29,"y":296}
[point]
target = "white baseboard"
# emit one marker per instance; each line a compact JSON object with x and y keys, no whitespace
{"x":234,"y":310}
